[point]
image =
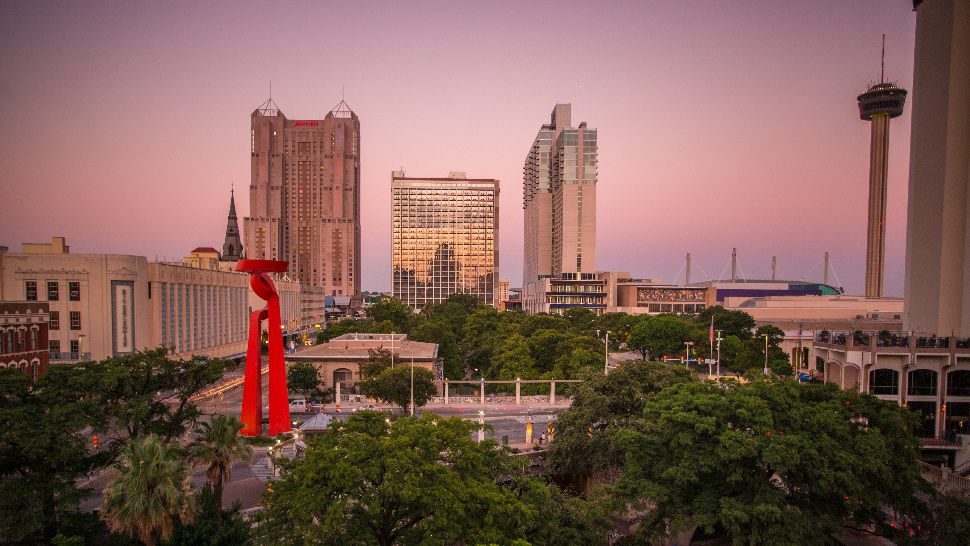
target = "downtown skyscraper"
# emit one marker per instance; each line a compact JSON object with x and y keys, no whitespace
{"x":304,"y":197}
{"x":559,"y":201}
{"x":444,"y":238}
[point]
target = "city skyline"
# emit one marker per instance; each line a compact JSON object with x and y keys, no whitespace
{"x":697,"y":105}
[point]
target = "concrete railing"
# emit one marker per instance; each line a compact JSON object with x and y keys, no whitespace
{"x":944,"y":479}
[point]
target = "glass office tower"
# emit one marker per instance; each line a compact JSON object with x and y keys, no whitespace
{"x":445,"y":238}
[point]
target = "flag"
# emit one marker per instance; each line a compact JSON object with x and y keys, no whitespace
{"x":711,"y":337}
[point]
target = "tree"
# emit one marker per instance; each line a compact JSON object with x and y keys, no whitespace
{"x":661,"y":336}
{"x":602,"y":406}
{"x":542,"y":321}
{"x":150,"y":493}
{"x":378,"y":360}
{"x":434,"y":331}
{"x":411,"y":481}
{"x":203,"y":530}
{"x":395,"y":311}
{"x":751,"y":356}
{"x":43,"y":449}
{"x":770,"y":462}
{"x":581,"y":321}
{"x":304,"y":378}
{"x":544,"y":347}
{"x":393,"y":385}
{"x":731,"y":323}
{"x":512,"y":360}
{"x":218,"y":446}
{"x":127,"y":389}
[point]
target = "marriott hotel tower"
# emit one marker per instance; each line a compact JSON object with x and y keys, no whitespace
{"x":304,"y":197}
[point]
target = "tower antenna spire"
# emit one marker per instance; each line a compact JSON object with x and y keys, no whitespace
{"x":882,"y":62}
{"x":271,"y":90}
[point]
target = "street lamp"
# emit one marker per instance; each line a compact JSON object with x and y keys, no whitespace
{"x":481,"y":425}
{"x":719,"y":338}
{"x":606,"y":365}
{"x":689,"y":344}
{"x":766,"y":353}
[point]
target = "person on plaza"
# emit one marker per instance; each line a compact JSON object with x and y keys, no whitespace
{"x":542,"y":438}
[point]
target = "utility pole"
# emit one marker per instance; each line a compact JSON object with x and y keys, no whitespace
{"x":687,"y":360}
{"x":412,"y":386}
{"x":766,"y":353}
{"x":606,"y":365}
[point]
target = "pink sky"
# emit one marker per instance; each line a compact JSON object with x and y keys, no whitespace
{"x":721,"y":124}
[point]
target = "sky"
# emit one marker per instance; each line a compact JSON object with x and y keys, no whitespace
{"x":721,"y":123}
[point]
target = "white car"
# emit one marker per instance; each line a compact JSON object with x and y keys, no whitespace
{"x":298,"y":405}
{"x":367,"y":407}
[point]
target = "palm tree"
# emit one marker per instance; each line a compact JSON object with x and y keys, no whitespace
{"x":151,"y":491}
{"x":218,"y":445}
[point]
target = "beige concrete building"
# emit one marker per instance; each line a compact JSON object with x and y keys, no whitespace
{"x":503,"y":294}
{"x":104,"y":305}
{"x":339,"y":359}
{"x":938,"y":225}
{"x":305,"y":196}
{"x":444,"y":238}
{"x":204,"y":257}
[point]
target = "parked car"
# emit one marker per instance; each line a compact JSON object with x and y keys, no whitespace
{"x":367,"y":407}
{"x":298,"y":405}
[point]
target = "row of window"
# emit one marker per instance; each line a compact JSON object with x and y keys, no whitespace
{"x":53,"y":290}
{"x":18,"y":341}
{"x":55,"y":321}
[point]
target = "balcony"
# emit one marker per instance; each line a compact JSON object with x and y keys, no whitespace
{"x":55,"y":356}
{"x":892,"y":341}
{"x":932,"y":342}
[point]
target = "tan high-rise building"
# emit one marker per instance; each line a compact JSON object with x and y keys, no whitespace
{"x":304,"y":204}
{"x":938,"y":234}
{"x":559,"y":198}
{"x":445,"y":238}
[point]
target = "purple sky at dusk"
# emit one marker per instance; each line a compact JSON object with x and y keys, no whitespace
{"x":720,"y":123}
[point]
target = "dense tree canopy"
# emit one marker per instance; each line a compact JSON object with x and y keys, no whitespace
{"x":602,"y":406}
{"x":417,"y":481}
{"x":770,"y":462}
{"x":393,"y":385}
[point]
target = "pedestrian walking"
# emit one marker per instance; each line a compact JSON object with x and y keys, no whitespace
{"x":542,"y":438}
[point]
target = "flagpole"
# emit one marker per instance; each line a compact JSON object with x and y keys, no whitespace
{"x":710,"y":354}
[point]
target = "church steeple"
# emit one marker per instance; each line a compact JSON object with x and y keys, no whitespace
{"x":232,"y":249}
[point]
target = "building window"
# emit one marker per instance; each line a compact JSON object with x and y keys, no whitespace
{"x":53,"y":291}
{"x":75,"y":320}
{"x":30,"y":287}
{"x":74,"y":287}
{"x":55,"y":349}
{"x":55,"y":322}
{"x":33,"y":340}
{"x":75,"y":349}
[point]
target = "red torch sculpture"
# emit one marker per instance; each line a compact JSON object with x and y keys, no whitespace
{"x":252,"y":401}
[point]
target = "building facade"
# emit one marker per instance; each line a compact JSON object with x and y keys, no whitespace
{"x":559,"y":202}
{"x":104,"y":305}
{"x":444,"y":238}
{"x":338,"y":360}
{"x":938,"y":227}
{"x":23,"y":337}
{"x":305,"y":196}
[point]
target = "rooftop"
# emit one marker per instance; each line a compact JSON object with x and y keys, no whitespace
{"x":356,"y":347}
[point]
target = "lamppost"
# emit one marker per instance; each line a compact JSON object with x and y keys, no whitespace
{"x":687,"y":360}
{"x":606,"y":365}
{"x":481,"y":425}
{"x":719,"y":338}
{"x":766,"y":353}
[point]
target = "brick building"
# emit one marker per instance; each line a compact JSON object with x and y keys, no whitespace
{"x":23,"y":336}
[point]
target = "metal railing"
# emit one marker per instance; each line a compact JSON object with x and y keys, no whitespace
{"x":892,"y":341}
{"x":933,"y":342}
